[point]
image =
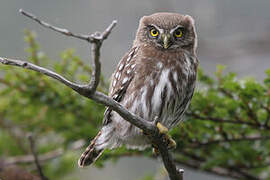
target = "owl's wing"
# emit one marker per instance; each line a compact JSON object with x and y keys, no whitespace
{"x":120,"y":80}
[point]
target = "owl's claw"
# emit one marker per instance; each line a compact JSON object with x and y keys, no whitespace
{"x":162,"y":129}
{"x":171,"y":144}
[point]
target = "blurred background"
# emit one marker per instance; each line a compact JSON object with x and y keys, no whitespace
{"x":231,"y":33}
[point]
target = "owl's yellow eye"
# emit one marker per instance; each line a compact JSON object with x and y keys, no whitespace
{"x":154,"y":32}
{"x":178,"y":33}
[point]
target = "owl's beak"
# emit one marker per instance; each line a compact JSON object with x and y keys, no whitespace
{"x":166,"y":39}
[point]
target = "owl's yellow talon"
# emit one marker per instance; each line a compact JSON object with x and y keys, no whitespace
{"x":172,"y":143}
{"x":162,"y":129}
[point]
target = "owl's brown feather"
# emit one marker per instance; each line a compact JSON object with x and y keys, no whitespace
{"x":117,"y":90}
{"x":152,"y":80}
{"x":120,"y":81}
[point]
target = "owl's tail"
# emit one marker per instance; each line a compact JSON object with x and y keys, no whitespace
{"x":104,"y":139}
{"x":91,"y":153}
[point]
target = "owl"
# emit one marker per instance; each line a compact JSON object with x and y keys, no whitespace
{"x":154,"y":80}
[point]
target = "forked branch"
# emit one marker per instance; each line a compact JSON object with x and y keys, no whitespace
{"x":35,"y":155}
{"x":89,"y":90}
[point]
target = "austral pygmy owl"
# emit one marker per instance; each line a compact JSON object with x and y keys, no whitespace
{"x":154,"y":80}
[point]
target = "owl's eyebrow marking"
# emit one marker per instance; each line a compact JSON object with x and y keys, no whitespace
{"x":178,"y":26}
{"x":158,"y":28}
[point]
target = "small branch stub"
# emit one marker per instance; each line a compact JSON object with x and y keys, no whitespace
{"x":181,"y":172}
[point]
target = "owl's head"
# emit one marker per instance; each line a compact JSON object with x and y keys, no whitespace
{"x":167,"y":31}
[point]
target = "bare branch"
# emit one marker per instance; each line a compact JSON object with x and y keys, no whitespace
{"x":36,"y":68}
{"x":95,"y":39}
{"x":60,"y":30}
{"x":217,"y":170}
{"x":96,"y":67}
{"x":108,"y":31}
{"x":66,"y":32}
{"x":35,"y":155}
{"x":6,"y":83}
{"x":210,"y":142}
{"x":14,"y":131}
{"x":26,"y":159}
{"x":90,"y":92}
{"x":229,"y":171}
{"x":84,"y":90}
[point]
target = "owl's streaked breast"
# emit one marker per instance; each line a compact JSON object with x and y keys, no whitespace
{"x":162,"y":89}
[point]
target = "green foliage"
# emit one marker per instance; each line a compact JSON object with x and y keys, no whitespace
{"x":224,"y":117}
{"x":56,"y":115}
{"x":227,"y":125}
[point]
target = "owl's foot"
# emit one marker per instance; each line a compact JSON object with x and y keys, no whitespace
{"x":171,"y":144}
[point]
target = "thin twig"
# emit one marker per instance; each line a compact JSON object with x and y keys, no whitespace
{"x":35,"y":155}
{"x":250,"y":112}
{"x":90,"y":92}
{"x":67,"y":32}
{"x":220,"y":120}
{"x":250,"y":139}
{"x":26,"y":159}
{"x":197,"y":162}
{"x":268,"y":114}
{"x":216,"y":170}
{"x":36,"y":68}
{"x":15,"y":132}
{"x":60,"y":30}
{"x":3,"y":81}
